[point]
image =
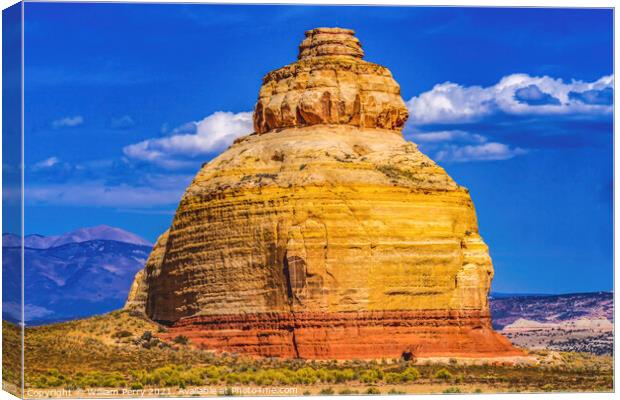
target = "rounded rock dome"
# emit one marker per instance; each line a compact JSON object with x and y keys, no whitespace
{"x":324,"y":234}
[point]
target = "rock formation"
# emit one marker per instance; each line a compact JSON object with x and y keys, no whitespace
{"x":324,"y":234}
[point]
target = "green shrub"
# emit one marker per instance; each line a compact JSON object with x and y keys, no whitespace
{"x":410,"y":374}
{"x":373,"y":390}
{"x":121,"y":334}
{"x":392,"y":377}
{"x":325,"y":375}
{"x":181,"y":339}
{"x":174,"y":375}
{"x":443,"y":374}
{"x":212,"y":373}
{"x":452,"y":389}
{"x":232,"y":378}
{"x":371,"y":376}
{"x":547,"y":388}
{"x":113,"y":380}
{"x":345,"y":375}
{"x":52,"y":378}
{"x":327,"y":391}
{"x":306,"y":376}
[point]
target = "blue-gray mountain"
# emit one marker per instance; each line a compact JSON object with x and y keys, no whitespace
{"x":100,"y":232}
{"x":81,"y":273}
{"x":545,"y":308}
{"x":581,"y":322}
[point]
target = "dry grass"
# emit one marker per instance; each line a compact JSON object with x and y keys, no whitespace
{"x":11,"y":356}
{"x":116,"y":350}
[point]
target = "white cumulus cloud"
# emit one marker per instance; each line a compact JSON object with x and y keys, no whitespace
{"x":491,"y":151}
{"x":516,"y":94}
{"x":463,"y":146}
{"x":447,"y":136}
{"x":47,"y":163}
{"x":68,"y":122}
{"x":212,"y":134}
{"x":31,"y":311}
{"x":98,"y":193}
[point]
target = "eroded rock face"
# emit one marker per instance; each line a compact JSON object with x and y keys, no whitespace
{"x":139,"y":290}
{"x":330,"y":84}
{"x":325,"y":234}
{"x":348,"y":335}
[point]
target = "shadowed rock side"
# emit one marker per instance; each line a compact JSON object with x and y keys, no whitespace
{"x":138,"y":292}
{"x":325,"y":234}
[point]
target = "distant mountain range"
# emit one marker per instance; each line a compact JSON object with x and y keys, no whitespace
{"x":101,"y":232}
{"x":500,"y":295}
{"x":506,"y":309}
{"x":81,"y":273}
{"x":581,"y":322}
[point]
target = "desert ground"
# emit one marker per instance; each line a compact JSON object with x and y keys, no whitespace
{"x":591,"y":336}
{"x":120,"y":354}
{"x":578,"y":322}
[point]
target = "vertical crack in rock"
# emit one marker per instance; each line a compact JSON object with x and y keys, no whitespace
{"x":294,"y":337}
{"x":287,"y":277}
{"x":295,"y":276}
{"x":324,"y":233}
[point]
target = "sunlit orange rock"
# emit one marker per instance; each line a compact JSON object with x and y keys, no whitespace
{"x":324,"y":234}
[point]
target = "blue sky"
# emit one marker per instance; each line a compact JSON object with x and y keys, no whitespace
{"x":124,"y":102}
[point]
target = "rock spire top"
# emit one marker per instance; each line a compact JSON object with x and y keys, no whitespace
{"x":330,"y":84}
{"x":330,"y":42}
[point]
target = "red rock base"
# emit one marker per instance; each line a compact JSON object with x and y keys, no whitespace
{"x":348,"y":335}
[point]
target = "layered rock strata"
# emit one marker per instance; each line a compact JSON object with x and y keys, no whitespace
{"x":325,"y":234}
{"x":330,"y":84}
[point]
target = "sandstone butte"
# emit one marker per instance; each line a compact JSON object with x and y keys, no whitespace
{"x":324,"y":234}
